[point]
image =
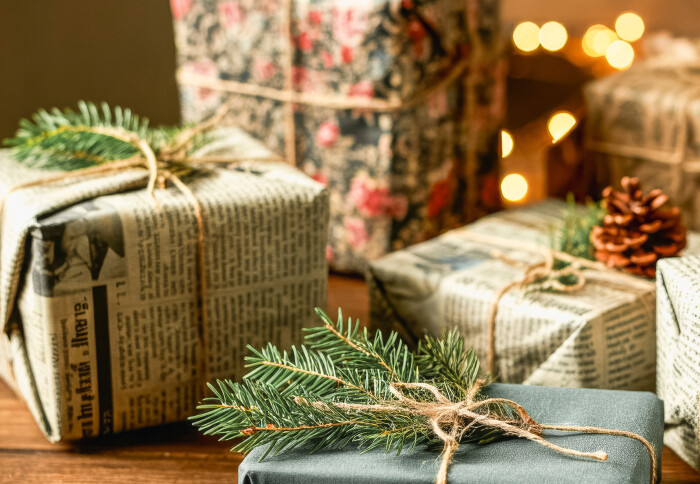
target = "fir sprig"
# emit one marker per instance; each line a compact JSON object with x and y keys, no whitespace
{"x":574,"y":234}
{"x":339,"y":388}
{"x":69,"y":140}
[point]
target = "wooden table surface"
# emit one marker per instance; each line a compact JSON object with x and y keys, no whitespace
{"x":172,"y":453}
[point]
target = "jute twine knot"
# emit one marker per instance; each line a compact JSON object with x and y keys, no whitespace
{"x":450,"y":421}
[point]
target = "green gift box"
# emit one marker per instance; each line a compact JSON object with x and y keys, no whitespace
{"x":512,"y":460}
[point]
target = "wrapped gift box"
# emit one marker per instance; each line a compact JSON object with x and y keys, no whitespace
{"x":678,"y":354}
{"x":601,"y":336}
{"x":99,"y":286}
{"x":512,"y":460}
{"x":645,"y":122}
{"x":404,"y":153}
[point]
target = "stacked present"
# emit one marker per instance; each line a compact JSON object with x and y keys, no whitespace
{"x":117,"y":307}
{"x":394,"y":105}
{"x":678,"y":354}
{"x":645,"y":122}
{"x":598,"y":335}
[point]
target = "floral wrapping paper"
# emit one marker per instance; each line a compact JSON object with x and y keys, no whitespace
{"x":396,"y":178}
{"x":645,"y":122}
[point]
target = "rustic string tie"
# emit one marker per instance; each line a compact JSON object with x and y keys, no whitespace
{"x":539,"y":275}
{"x":171,"y":163}
{"x":449,"y":421}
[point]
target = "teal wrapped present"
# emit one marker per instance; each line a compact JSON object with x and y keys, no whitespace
{"x":507,"y":461}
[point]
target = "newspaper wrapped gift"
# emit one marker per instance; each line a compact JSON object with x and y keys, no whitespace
{"x":645,"y":122}
{"x":396,"y":105}
{"x":513,"y":460}
{"x":98,"y":286}
{"x":600,"y":336}
{"x":678,"y":354}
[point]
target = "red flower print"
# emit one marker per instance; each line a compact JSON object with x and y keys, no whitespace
{"x":264,"y":69}
{"x":231,"y":13}
{"x":320,"y":178}
{"x":416,"y":32}
{"x":437,"y":104}
{"x":315,"y":17}
{"x":346,"y":53}
{"x":370,"y":200}
{"x":298,"y":75}
{"x":305,"y":42}
{"x":362,"y":89}
{"x":180,"y":8}
{"x":205,"y":68}
{"x":356,"y":233}
{"x":398,"y":207}
{"x":327,"y":58}
{"x":440,"y":195}
{"x":350,"y":24}
{"x":329,"y":254}
{"x":327,"y":134}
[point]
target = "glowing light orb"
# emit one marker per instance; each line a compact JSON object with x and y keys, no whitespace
{"x":506,"y":144}
{"x":587,"y":40}
{"x":553,"y":36}
{"x":560,"y":124}
{"x":603,"y":39}
{"x":629,"y":26}
{"x":620,"y":54}
{"x":514,"y":187}
{"x":526,"y":36}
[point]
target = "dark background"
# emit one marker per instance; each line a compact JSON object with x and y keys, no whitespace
{"x":56,"y":52}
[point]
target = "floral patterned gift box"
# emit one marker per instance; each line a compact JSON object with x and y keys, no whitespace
{"x":395,"y":105}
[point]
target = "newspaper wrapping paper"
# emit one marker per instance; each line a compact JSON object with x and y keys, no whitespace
{"x":678,"y":354}
{"x":396,"y":178}
{"x":601,"y":336}
{"x":98,"y":286}
{"x":645,"y":122}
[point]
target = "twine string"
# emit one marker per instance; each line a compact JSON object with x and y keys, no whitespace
{"x":449,"y":421}
{"x":160,"y":169}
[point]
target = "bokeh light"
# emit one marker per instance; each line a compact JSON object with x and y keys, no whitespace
{"x":620,"y":54}
{"x":603,"y":39}
{"x":506,"y":144}
{"x":514,"y":187}
{"x":526,"y":36}
{"x":553,"y":36}
{"x":560,"y":124}
{"x":629,"y":26}
{"x":587,"y":40}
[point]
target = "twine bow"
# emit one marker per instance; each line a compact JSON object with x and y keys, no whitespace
{"x":170,"y":164}
{"x":449,"y":421}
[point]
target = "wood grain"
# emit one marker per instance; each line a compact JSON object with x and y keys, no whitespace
{"x":171,"y":453}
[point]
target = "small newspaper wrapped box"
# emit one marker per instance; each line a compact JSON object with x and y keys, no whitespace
{"x":600,"y":336}
{"x":99,"y":299}
{"x":678,"y":353}
{"x":645,"y":122}
{"x":507,"y":461}
{"x":397,"y":106}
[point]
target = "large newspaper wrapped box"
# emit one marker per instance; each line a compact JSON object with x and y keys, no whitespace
{"x":645,"y":122}
{"x":678,"y":354}
{"x":600,"y":336}
{"x":397,"y":105}
{"x":99,"y":286}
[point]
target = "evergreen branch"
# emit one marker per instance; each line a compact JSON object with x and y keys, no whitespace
{"x":342,"y":387}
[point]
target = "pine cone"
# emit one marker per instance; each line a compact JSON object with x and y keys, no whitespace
{"x":636,"y":232}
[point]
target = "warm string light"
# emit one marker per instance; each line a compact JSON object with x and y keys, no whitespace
{"x":506,"y":144}
{"x":629,"y":26}
{"x":597,"y":41}
{"x":553,"y":36}
{"x":560,"y":124}
{"x":526,"y":36}
{"x":514,"y":187}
